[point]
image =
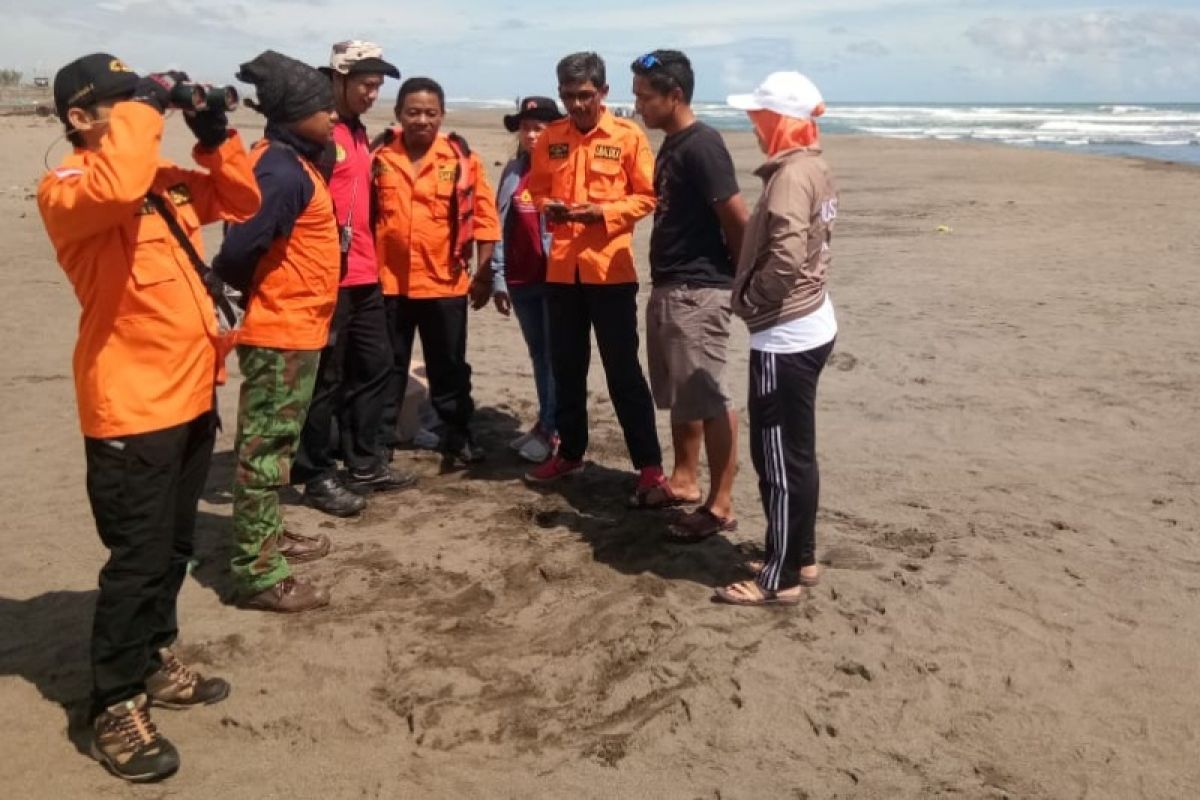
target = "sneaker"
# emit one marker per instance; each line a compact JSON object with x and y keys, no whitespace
{"x":127,"y":742}
{"x":426,"y":439}
{"x":289,"y":596}
{"x":176,"y":685}
{"x":380,"y":479}
{"x":330,"y":496}
{"x":516,"y":444}
{"x":298,"y":548}
{"x":538,"y":447}
{"x":554,"y":468}
{"x":459,"y":449}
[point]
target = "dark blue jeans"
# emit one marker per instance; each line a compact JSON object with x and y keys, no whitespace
{"x":529,"y":306}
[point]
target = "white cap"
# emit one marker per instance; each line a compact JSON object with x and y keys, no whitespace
{"x":359,"y":57}
{"x":787,"y":93}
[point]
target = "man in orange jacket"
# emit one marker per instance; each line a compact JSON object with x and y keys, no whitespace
{"x":145,"y":365}
{"x":288,"y":258}
{"x":593,"y":176}
{"x":434,"y":208}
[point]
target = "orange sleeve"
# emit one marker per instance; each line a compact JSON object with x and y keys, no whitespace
{"x":228,"y":191}
{"x":621,"y":215}
{"x":80,"y":203}
{"x":487,"y":219}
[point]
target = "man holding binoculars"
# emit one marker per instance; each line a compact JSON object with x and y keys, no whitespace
{"x":125,"y":224}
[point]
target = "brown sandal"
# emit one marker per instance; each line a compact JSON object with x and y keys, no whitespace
{"x":698,"y":526}
{"x":749,"y":593}
{"x":659,"y":495}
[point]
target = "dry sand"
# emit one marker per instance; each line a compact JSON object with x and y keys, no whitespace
{"x":1008,"y":437}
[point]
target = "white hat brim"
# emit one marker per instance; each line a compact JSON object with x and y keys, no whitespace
{"x":744,"y":102}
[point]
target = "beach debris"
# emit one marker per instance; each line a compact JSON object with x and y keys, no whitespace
{"x":944,"y":229}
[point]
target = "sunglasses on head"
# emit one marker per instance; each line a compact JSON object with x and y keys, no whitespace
{"x":649,"y":61}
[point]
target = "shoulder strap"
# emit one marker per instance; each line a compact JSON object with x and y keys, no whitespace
{"x":462,"y":199}
{"x":211,"y":282}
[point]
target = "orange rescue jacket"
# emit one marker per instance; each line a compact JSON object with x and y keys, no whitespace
{"x":414,"y":224}
{"x":146,"y":354}
{"x":295,"y":285}
{"x":610,"y":166}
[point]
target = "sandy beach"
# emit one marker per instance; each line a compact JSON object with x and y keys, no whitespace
{"x":1010,"y":526}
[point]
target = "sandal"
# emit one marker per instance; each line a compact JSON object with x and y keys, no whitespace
{"x":749,"y":593}
{"x":808,"y":581}
{"x":656,"y":495}
{"x":698,"y":526}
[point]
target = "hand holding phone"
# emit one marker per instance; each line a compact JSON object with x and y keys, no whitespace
{"x":556,"y":210}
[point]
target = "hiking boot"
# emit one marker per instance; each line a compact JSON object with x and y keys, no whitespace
{"x":329,"y":495}
{"x":380,"y":479}
{"x":127,"y":742}
{"x":298,"y":548}
{"x":552,"y":470}
{"x":289,"y":596}
{"x":176,"y":685}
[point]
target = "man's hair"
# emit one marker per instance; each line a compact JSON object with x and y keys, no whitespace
{"x":666,"y":70}
{"x":414,"y":85}
{"x":581,"y":68}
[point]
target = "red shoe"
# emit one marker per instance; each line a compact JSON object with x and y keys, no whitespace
{"x":554,"y":468}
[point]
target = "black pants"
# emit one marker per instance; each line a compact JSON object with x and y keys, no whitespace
{"x":783,"y":446}
{"x":442,"y":325}
{"x":353,"y":378}
{"x":143,"y":490}
{"x":575,"y":310}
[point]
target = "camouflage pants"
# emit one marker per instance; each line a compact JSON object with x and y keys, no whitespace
{"x":277,"y":386}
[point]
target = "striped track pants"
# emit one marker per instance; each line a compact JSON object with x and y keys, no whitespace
{"x":783,"y":390}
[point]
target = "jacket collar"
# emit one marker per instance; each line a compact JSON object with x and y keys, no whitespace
{"x":775,"y":162}
{"x":308,"y":149}
{"x":604,"y":125}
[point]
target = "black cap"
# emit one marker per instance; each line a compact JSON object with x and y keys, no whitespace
{"x":90,"y":79}
{"x":543,"y":109}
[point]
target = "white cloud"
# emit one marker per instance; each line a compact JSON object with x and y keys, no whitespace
{"x":1106,"y":36}
{"x":872,"y":48}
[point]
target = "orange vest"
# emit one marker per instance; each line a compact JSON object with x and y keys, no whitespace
{"x":414,"y":227}
{"x":610,"y":166}
{"x":146,"y":354}
{"x":296,"y":283}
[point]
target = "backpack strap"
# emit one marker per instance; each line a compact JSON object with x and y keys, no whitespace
{"x":214,"y":285}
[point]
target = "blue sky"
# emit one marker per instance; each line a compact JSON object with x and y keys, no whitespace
{"x":856,"y":50}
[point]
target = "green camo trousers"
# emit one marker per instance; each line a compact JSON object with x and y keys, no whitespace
{"x":277,"y":386}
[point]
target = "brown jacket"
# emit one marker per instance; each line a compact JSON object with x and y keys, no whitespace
{"x":785,"y":255}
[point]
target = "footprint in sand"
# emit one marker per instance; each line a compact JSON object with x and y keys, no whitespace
{"x":843,"y":362}
{"x":845,"y":556}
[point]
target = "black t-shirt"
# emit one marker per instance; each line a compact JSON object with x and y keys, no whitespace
{"x":693,"y":171}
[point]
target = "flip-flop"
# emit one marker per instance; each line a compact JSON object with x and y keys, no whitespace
{"x":698,"y":526}
{"x":754,"y":567}
{"x":759,"y":597}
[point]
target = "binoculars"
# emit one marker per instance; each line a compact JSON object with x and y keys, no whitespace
{"x":199,"y":97}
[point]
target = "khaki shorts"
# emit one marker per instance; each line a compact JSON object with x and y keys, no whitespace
{"x":687,"y":334}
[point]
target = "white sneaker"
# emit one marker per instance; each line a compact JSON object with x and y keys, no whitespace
{"x":537,"y":449}
{"x":519,"y":442}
